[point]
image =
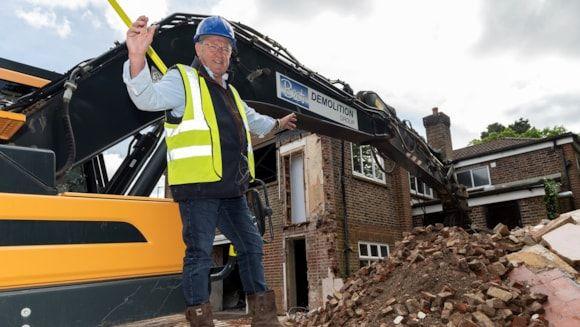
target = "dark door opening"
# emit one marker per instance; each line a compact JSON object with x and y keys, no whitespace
{"x":433,"y":218}
{"x":266,"y":163}
{"x":507,"y":213}
{"x":297,"y":274}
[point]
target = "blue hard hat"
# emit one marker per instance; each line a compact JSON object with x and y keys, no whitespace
{"x":215,"y":25}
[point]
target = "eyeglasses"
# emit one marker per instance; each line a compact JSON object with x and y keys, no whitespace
{"x":216,"y":48}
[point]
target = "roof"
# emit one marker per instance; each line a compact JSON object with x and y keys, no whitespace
{"x":500,"y":145}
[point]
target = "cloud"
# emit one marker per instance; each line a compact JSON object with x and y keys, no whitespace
{"x":68,"y":4}
{"x":305,"y":10}
{"x":39,"y":18}
{"x":155,"y":10}
{"x":88,"y":16}
{"x":551,"y":110}
{"x":531,"y":27}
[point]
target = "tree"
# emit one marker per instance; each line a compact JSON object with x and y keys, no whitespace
{"x":492,"y":128}
{"x":520,"y":128}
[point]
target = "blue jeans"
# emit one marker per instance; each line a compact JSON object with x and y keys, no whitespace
{"x":200,"y":217}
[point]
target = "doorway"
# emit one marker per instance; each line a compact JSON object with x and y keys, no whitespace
{"x":297,"y":274}
{"x":507,"y":213}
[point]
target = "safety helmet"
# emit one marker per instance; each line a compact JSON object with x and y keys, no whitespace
{"x":215,"y":25}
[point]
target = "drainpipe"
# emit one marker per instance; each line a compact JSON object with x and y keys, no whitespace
{"x":567,"y":194}
{"x":344,"y":214}
{"x":565,"y":165}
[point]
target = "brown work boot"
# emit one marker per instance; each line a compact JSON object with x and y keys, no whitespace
{"x":263,"y":309}
{"x":199,"y":315}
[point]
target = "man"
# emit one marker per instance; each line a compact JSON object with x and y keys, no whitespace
{"x":209,"y":159}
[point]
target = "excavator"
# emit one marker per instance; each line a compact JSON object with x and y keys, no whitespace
{"x":81,"y":248}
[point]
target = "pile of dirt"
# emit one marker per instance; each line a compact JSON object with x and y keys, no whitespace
{"x":437,"y":276}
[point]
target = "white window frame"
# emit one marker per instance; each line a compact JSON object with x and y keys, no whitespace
{"x":425,"y":187}
{"x":471,"y":176}
{"x":370,"y":258}
{"x":374,"y":165}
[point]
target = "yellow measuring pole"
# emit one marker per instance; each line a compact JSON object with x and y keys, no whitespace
{"x":151,"y":52}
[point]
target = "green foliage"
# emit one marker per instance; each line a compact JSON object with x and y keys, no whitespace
{"x":551,"y":198}
{"x":521,"y":128}
{"x":492,"y":128}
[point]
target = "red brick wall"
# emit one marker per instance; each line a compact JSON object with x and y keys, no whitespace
{"x":477,"y":215}
{"x":572,"y":157}
{"x":532,"y":210}
{"x":523,"y":166}
{"x":274,"y":251}
{"x":376,"y":212}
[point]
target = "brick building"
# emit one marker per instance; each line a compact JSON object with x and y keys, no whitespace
{"x":504,"y":177}
{"x":333,"y":212}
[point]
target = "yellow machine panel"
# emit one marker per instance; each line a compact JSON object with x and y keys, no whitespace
{"x":157,"y":220}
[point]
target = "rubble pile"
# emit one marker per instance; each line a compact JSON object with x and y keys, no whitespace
{"x":437,"y":276}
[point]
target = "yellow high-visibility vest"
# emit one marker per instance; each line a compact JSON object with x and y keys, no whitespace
{"x":193,"y":146}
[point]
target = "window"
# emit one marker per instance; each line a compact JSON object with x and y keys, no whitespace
{"x":371,"y":252}
{"x":419,"y":188}
{"x":294,"y":184}
{"x":364,"y":165}
{"x":475,"y":177}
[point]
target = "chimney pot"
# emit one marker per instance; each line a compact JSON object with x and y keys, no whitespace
{"x":435,"y":111}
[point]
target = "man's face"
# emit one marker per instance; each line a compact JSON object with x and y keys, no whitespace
{"x":214,"y":52}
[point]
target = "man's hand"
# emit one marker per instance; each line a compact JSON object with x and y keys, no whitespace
{"x":287,"y":122}
{"x":139,"y":38}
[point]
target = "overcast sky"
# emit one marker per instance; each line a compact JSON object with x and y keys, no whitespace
{"x":478,"y":61}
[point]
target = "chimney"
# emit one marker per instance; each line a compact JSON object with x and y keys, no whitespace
{"x":438,"y":133}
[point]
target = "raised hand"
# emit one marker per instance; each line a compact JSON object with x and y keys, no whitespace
{"x":139,"y":38}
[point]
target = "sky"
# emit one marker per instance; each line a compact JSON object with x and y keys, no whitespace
{"x":479,"y":62}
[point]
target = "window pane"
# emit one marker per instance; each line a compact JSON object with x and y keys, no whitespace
{"x":464,"y":178}
{"x":413,"y":182}
{"x":384,"y":251}
{"x":379,"y":173}
{"x":420,"y":188}
{"x":367,"y":162}
{"x":374,"y":251}
{"x":356,"y":158}
{"x":362,"y":249}
{"x":297,"y":193}
{"x":481,"y":176}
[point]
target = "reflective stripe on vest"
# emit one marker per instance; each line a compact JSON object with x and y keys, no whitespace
{"x":193,"y":145}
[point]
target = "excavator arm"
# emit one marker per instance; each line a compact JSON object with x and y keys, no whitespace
{"x":269,"y":78}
